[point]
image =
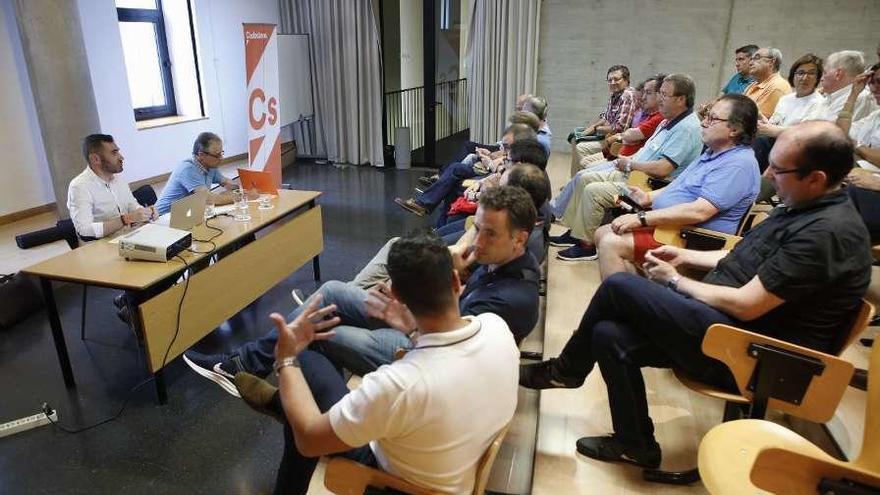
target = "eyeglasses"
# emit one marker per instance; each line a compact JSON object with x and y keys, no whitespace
{"x":711,"y":119}
{"x":804,"y":73}
{"x":614,"y":80}
{"x":666,"y":95}
{"x":218,"y":156}
{"x":782,"y":171}
{"x":759,"y":57}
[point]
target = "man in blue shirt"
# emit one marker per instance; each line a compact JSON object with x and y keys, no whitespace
{"x":713,"y":192}
{"x":199,"y":172}
{"x":373,"y":327}
{"x":673,"y":146}
{"x":739,"y":81}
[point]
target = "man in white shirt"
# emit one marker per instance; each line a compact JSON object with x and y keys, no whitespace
{"x":841,"y":68}
{"x":427,"y":417}
{"x":99,"y":202}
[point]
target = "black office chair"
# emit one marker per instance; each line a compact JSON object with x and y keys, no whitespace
{"x":145,"y":195}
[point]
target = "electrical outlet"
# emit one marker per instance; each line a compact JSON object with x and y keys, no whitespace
{"x":26,"y":423}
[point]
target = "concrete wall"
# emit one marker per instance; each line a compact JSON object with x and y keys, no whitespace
{"x":25,"y":179}
{"x":148,"y":152}
{"x":581,"y":39}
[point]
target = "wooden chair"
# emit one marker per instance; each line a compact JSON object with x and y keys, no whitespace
{"x":346,"y":477}
{"x":755,"y":456}
{"x":771,"y":373}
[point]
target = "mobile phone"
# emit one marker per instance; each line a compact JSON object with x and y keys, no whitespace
{"x":625,"y":199}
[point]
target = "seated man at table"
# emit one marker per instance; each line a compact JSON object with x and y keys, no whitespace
{"x":99,"y":202}
{"x":798,"y":276}
{"x":505,"y":282}
{"x":713,"y":192}
{"x":384,"y":422}
{"x":196,"y":173}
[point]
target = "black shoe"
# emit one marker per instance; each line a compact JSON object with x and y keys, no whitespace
{"x":610,"y":449}
{"x":119,"y":301}
{"x":859,"y":379}
{"x":539,"y":376}
{"x":124,"y":314}
{"x":578,"y":252}
{"x":220,"y":369}
{"x":564,"y":240}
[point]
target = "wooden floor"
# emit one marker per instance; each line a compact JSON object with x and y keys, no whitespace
{"x":681,"y":417}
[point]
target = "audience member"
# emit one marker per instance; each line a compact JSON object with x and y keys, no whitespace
{"x":634,"y":138}
{"x":769,"y":86}
{"x":196,"y":173}
{"x":841,"y":69}
{"x":804,"y":104}
{"x":505,"y":282}
{"x":445,"y":190}
{"x":713,"y":192}
{"x":674,"y":145}
{"x":865,"y":133}
{"x":538,"y":106}
{"x":99,"y":202}
{"x":742,"y":78}
{"x":384,"y":422}
{"x":798,"y":276}
{"x":616,"y":118}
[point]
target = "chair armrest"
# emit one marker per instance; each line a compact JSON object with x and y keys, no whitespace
{"x":614,"y":149}
{"x":730,"y":345}
{"x":677,"y":235}
{"x":346,"y":477}
{"x":785,"y":471}
{"x":639,"y":179}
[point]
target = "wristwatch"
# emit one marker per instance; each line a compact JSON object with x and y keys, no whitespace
{"x":673,"y":283}
{"x":284,"y":363}
{"x":642,"y":219}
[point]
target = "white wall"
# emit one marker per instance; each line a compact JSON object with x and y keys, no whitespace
{"x":219,"y":36}
{"x":580,"y":40}
{"x":25,"y":181}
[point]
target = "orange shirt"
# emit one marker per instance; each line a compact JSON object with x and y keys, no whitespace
{"x":766,"y":94}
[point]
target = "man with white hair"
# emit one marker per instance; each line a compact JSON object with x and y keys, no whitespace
{"x":769,"y":86}
{"x":841,"y":68}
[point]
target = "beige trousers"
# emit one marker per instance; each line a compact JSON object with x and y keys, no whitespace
{"x":595,"y":192}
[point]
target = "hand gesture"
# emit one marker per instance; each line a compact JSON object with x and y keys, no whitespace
{"x":625,"y":223}
{"x":861,"y":81}
{"x":140,"y":215}
{"x":482,"y":151}
{"x":639,"y":196}
{"x":622,"y":162}
{"x":462,"y":258}
{"x":309,"y":326}
{"x":471,"y":192}
{"x":673,"y":255}
{"x":382,"y":305}
{"x":658,"y":270}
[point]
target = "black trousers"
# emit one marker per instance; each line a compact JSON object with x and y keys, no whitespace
{"x":632,"y":323}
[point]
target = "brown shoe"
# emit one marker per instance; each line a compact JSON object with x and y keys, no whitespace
{"x":260,"y":395}
{"x":411,"y":206}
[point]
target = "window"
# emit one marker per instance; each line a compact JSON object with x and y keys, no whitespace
{"x":147,"y":63}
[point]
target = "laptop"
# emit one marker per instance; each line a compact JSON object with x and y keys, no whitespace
{"x":261,"y":181}
{"x":186,"y":212}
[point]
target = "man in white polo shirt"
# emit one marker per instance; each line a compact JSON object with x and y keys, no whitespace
{"x":427,"y":417}
{"x":99,"y":202}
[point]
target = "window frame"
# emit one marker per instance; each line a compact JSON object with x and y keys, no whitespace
{"x":156,"y":17}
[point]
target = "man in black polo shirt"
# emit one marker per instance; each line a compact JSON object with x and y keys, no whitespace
{"x":798,"y":276}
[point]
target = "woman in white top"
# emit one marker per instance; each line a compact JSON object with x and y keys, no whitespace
{"x":803,"y":104}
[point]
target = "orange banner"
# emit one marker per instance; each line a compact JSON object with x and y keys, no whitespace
{"x":264,"y":124}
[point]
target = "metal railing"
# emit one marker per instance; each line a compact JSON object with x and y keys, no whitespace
{"x":406,"y":108}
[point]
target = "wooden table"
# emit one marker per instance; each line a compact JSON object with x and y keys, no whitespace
{"x":173,"y":313}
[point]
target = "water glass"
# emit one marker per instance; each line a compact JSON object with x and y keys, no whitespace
{"x":266,"y":202}
{"x":241,"y":205}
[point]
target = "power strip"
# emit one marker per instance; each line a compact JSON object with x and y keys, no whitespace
{"x":26,"y":423}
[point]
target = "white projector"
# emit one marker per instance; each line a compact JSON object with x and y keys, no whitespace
{"x":153,"y":242}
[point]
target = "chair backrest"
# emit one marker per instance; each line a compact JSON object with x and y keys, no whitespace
{"x":485,"y":465}
{"x":866,"y":313}
{"x":869,"y":457}
{"x":68,"y":232}
{"x":757,"y":213}
{"x":731,"y":345}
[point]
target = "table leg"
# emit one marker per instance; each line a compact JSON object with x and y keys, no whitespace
{"x":161,"y":392}
{"x":57,"y":332}
{"x":316,"y":267}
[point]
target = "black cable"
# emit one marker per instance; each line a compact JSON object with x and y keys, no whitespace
{"x":48,"y":410}
{"x":209,"y":240}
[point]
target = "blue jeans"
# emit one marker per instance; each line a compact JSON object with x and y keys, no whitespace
{"x":447,"y":187}
{"x":632,"y":323}
{"x":559,"y":204}
{"x":328,"y":387}
{"x":354,"y":346}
